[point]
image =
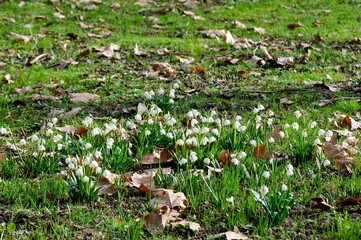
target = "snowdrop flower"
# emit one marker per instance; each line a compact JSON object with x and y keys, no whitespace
{"x":271,"y":140}
{"x":215,"y":131}
{"x":87,"y":121}
{"x":54,"y":120}
{"x":269,"y":121}
{"x":326,"y":163}
{"x":57,"y":138}
{"x":329,"y":134}
{"x":242,"y":155}
{"x":238,"y":118}
{"x":195,"y":113}
{"x":157,"y":155}
{"x":237,"y":125}
{"x":194,"y":122}
{"x":138,"y":117}
{"x":235,"y":161}
{"x":271,"y":113}
{"x":41,"y":148}
{"x":321,"y":132}
{"x":71,"y":166}
{"x":85,"y":179}
{"x":110,"y":142}
{"x":79,"y":172}
{"x":171,"y":101}
{"x":106,"y":173}
{"x":169,"y":135}
{"x":258,"y":119}
{"x":162,"y":132}
{"x":243,"y":128}
{"x":253,"y":142}
{"x":284,"y":187}
{"x":266,"y":174}
{"x":147,"y":132}
{"x":86,"y":160}
{"x":282,"y":134}
{"x":131,"y":125}
{"x":193,"y":157}
{"x":297,"y":114}
{"x":3,"y":131}
{"x":194,"y":141}
{"x":295,"y":126}
{"x":212,"y":139}
{"x":50,"y":125}
{"x":147,"y":95}
{"x":204,"y":141}
{"x":304,"y":134}
{"x":190,"y":114}
{"x":150,"y":121}
{"x":230,"y":199}
{"x":255,"y":110}
{"x":264,"y":190}
{"x":286,"y":125}
{"x":289,"y":172}
{"x":183,"y":161}
{"x":203,"y":119}
{"x":207,"y":161}
{"x":180,"y":142}
{"x":261,"y":107}
{"x":195,"y":173}
{"x":60,"y":146}
{"x":172,"y":93}
{"x":189,"y":141}
{"x":49,"y":132}
{"x":67,"y":160}
{"x":34,"y":138}
{"x":171,"y":121}
{"x":213,"y":113}
{"x":226,"y":122}
{"x":189,"y":132}
{"x":98,"y":170}
{"x":218,"y":121}
{"x":87,"y":145}
{"x":96,"y":131}
{"x":175,"y":86}
{"x":160,"y":91}
{"x":22,"y":142}
{"x":205,"y":130}
{"x":98,"y":154}
{"x":317,"y":142}
{"x":289,"y":167}
{"x":93,"y":164}
{"x":195,"y":130}
{"x":210,"y":120}
{"x":313,"y":124}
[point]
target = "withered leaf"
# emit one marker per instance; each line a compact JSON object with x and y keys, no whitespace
{"x":157,"y":220}
{"x":169,"y":197}
{"x":230,"y":235}
{"x":69,"y":129}
{"x":214,"y":33}
{"x":321,"y":204}
{"x":294,"y":25}
{"x":22,"y":38}
{"x":165,"y":157}
{"x":191,"y":225}
{"x":285,"y":101}
{"x":238,"y":24}
{"x":224,"y":158}
{"x":59,"y":15}
{"x":349,"y":202}
{"x":83,"y":97}
{"x":41,"y":57}
{"x":138,"y":52}
{"x":260,"y":152}
{"x":260,"y":30}
{"x":199,"y":69}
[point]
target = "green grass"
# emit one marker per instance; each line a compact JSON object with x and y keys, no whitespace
{"x":37,"y":204}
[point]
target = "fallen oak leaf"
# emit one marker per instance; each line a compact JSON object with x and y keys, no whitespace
{"x":168,"y":197}
{"x":83,"y":97}
{"x":157,"y":220}
{"x":321,"y":204}
{"x":165,"y":156}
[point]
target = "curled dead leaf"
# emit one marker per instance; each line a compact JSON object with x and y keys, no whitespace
{"x":321,"y":204}
{"x":157,"y":220}
{"x":168,"y":197}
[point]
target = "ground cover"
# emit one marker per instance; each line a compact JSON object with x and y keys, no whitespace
{"x":180,"y":119}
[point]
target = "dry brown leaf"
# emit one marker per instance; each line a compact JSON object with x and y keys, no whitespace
{"x":82,"y":97}
{"x":139,"y":52}
{"x":168,"y":197}
{"x":276,"y":133}
{"x":257,"y":61}
{"x":349,"y":202}
{"x":11,"y":20}
{"x":63,"y":64}
{"x":22,"y":38}
{"x":265,"y":52}
{"x":162,"y":68}
{"x":260,"y":152}
{"x":260,"y":30}
{"x":165,"y":156}
{"x":99,"y":35}
{"x":68,"y":128}
{"x":85,"y":26}
{"x":294,"y":25}
{"x":285,"y":101}
{"x":2,"y":64}
{"x":192,"y":15}
{"x":144,"y":2}
{"x":7,"y":79}
{"x":43,"y":97}
{"x":321,"y":204}
{"x":72,"y":112}
{"x":59,"y":15}
{"x":349,"y":122}
{"x":185,"y":61}
{"x":198,"y":69}
{"x":81,"y":131}
{"x":191,"y":225}
{"x":238,"y":24}
{"x":285,"y":61}
{"x":230,"y":235}
{"x":107,"y":51}
{"x":157,"y":220}
{"x":224,"y":158}
{"x":41,"y":57}
{"x":214,"y":33}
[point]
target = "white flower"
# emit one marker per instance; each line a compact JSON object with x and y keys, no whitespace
{"x":255,"y":110}
{"x":98,"y":154}
{"x":271,"y":140}
{"x":54,"y":120}
{"x":195,"y":173}
{"x":282,"y":134}
{"x":212,"y":139}
{"x":150,"y":121}
{"x":238,"y":118}
{"x":286,"y":125}
{"x":171,"y":101}
{"x":71,"y":165}
{"x":147,"y":132}
{"x":210,"y":120}
{"x":206,"y":161}
{"x":271,"y":113}
{"x":22,"y":142}
{"x":321,"y":132}
{"x":34,"y":138}
{"x":243,"y":128}
{"x":237,"y":125}
{"x":50,"y":125}
{"x":304,"y":134}
{"x":85,"y":179}
{"x":235,"y":161}
{"x":226,"y":122}
{"x":230,"y":199}
{"x":138,"y":117}
{"x":79,"y":171}
{"x":60,"y":146}
{"x":98,"y":169}
{"x":194,"y":141}
{"x":175,"y":86}
{"x":93,"y":164}
{"x":86,"y":160}
{"x":317,"y":142}
{"x":295,"y":126}
{"x":96,"y":131}
{"x":326,"y":163}
{"x":193,"y":157}
{"x":269,"y":121}
{"x":147,"y":95}
{"x":49,"y":132}
{"x":87,"y":121}
{"x":189,"y":141}
{"x":57,"y":138}
{"x":169,"y":135}
{"x":110,"y":142}
{"x":194,"y":122}
{"x":261,"y":107}
{"x":204,"y":141}
{"x":313,"y":124}
{"x":284,"y":187}
{"x":215,"y":131}
{"x":297,"y":114}
{"x":266,"y":174}
{"x":3,"y":131}
{"x":329,"y":134}
{"x":258,"y":119}
{"x":253,"y":142}
{"x":160,"y":91}
{"x":195,"y":130}
{"x":106,"y":173}
{"x":264,"y":190}
{"x":218,"y":121}
{"x":189,"y":132}
{"x":183,"y":161}
{"x":242,"y":155}
{"x":87,"y":145}
{"x":41,"y":148}
{"x":289,"y":172}
{"x":67,"y":160}
{"x":205,"y":130}
{"x":289,"y":167}
{"x":172,"y":93}
{"x":180,"y":142}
